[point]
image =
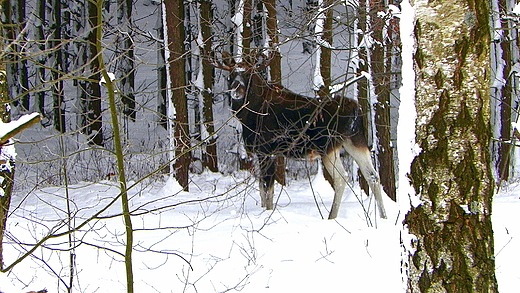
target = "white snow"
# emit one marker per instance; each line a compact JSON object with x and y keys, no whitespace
{"x":217,"y":238}
{"x":230,"y":241}
{"x":5,"y":128}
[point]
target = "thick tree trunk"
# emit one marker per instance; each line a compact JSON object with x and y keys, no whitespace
{"x":453,"y":248}
{"x":176,"y":37}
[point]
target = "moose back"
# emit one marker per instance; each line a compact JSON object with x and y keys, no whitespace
{"x":276,"y":121}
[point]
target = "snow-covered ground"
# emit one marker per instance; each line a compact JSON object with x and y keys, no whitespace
{"x":216,"y":238}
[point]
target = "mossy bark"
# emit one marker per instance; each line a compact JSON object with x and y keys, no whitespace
{"x":452,"y":174}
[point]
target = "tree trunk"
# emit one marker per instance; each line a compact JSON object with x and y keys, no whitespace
{"x":21,"y":78}
{"x":380,"y":54}
{"x":6,"y":176}
{"x":176,"y":37}
{"x":125,"y":54}
{"x":208,"y":73}
{"x":505,"y":94}
{"x":453,"y":246}
{"x":89,"y":91}
{"x":243,"y":38}
{"x":326,"y":49}
{"x":56,"y":60}
{"x":363,"y":86}
{"x":93,"y":89}
{"x":275,"y":67}
{"x":162,"y":76}
{"x":41,"y":34}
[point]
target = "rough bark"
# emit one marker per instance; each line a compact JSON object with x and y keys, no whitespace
{"x":175,"y":31}
{"x":453,"y":250}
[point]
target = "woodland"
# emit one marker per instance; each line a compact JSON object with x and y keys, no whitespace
{"x":129,"y":98}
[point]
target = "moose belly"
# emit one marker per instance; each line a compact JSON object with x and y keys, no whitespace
{"x":291,"y":143}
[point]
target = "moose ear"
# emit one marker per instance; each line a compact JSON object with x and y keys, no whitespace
{"x":228,"y":59}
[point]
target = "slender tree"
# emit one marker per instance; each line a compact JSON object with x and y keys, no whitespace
{"x":57,"y":63}
{"x":19,"y":76}
{"x":363,"y":86}
{"x":275,"y":67}
{"x":381,"y":70}
{"x":505,"y":94}
{"x":125,"y":58}
{"x":86,"y":63}
{"x":208,"y":75}
{"x":325,"y":43}
{"x":453,"y":246}
{"x":6,"y":174}
{"x":162,"y":76}
{"x":41,"y":34}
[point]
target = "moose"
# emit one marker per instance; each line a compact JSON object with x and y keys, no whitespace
{"x":276,"y":121}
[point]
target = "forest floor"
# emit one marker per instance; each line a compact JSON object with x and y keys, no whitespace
{"x":216,"y":238}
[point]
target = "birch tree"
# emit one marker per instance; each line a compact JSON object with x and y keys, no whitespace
{"x":453,"y":246}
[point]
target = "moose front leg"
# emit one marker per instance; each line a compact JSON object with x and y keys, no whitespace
{"x":266,"y":182}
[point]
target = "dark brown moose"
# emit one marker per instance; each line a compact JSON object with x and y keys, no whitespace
{"x":276,"y":121}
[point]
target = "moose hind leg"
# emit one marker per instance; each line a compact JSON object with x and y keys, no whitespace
{"x":332,"y":162}
{"x":266,"y":182}
{"x":361,"y":154}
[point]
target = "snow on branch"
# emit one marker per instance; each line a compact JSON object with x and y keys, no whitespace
{"x":340,"y":86}
{"x":8,"y":130}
